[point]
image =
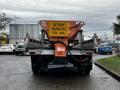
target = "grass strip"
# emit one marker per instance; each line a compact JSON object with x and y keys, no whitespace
{"x":111,"y":63}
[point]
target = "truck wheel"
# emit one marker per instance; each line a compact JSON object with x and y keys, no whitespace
{"x":85,"y":69}
{"x":86,"y":72}
{"x":37,"y":66}
{"x":35,"y":69}
{"x":38,"y":69}
{"x":43,"y":68}
{"x":34,"y":65}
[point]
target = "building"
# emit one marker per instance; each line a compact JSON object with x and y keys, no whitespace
{"x":17,"y":32}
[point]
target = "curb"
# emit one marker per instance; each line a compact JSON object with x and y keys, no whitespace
{"x":113,"y":74}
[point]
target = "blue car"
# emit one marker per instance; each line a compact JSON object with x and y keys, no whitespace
{"x":104,"y":49}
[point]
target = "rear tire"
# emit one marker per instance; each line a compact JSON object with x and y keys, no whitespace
{"x":43,"y":68}
{"x":38,"y":66}
{"x":111,"y":53}
{"x":85,"y":69}
{"x":34,"y":65}
{"x":35,"y":69}
{"x":38,"y":69}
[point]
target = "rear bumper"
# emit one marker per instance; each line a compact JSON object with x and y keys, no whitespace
{"x":73,"y":59}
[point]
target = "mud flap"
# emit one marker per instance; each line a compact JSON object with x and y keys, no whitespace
{"x":83,"y":63}
{"x":39,"y":63}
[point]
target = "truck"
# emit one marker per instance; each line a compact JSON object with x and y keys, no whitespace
{"x":60,"y":44}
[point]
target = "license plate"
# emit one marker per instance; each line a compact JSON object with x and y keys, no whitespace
{"x":58,"y":29}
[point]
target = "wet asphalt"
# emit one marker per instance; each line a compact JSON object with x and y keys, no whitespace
{"x":16,"y":74}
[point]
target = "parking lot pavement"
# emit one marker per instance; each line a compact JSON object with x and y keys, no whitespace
{"x":16,"y":74}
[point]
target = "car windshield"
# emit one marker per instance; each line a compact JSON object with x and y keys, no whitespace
{"x":20,"y":46}
{"x":107,"y":47}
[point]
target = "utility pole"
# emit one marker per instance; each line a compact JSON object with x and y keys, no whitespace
{"x":106,"y":38}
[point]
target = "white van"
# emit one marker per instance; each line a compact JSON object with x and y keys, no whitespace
{"x":7,"y":48}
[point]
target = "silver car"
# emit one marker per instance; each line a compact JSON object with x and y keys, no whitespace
{"x":20,"y":50}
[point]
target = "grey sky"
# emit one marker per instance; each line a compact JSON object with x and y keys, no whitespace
{"x":98,"y":14}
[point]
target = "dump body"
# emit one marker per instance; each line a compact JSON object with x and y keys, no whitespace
{"x":58,"y":46}
{"x":60,"y":33}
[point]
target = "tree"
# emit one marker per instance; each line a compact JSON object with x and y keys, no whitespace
{"x":116,"y":29}
{"x":5,"y":20}
{"x":117,"y":32}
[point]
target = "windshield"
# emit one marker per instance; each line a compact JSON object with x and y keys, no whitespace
{"x":20,"y":46}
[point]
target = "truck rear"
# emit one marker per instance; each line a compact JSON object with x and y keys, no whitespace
{"x":60,"y":45}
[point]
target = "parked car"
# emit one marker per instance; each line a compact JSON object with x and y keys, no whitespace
{"x":21,"y":49}
{"x":7,"y":48}
{"x":104,"y":49}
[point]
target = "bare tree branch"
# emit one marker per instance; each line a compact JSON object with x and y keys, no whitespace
{"x":5,"y":20}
